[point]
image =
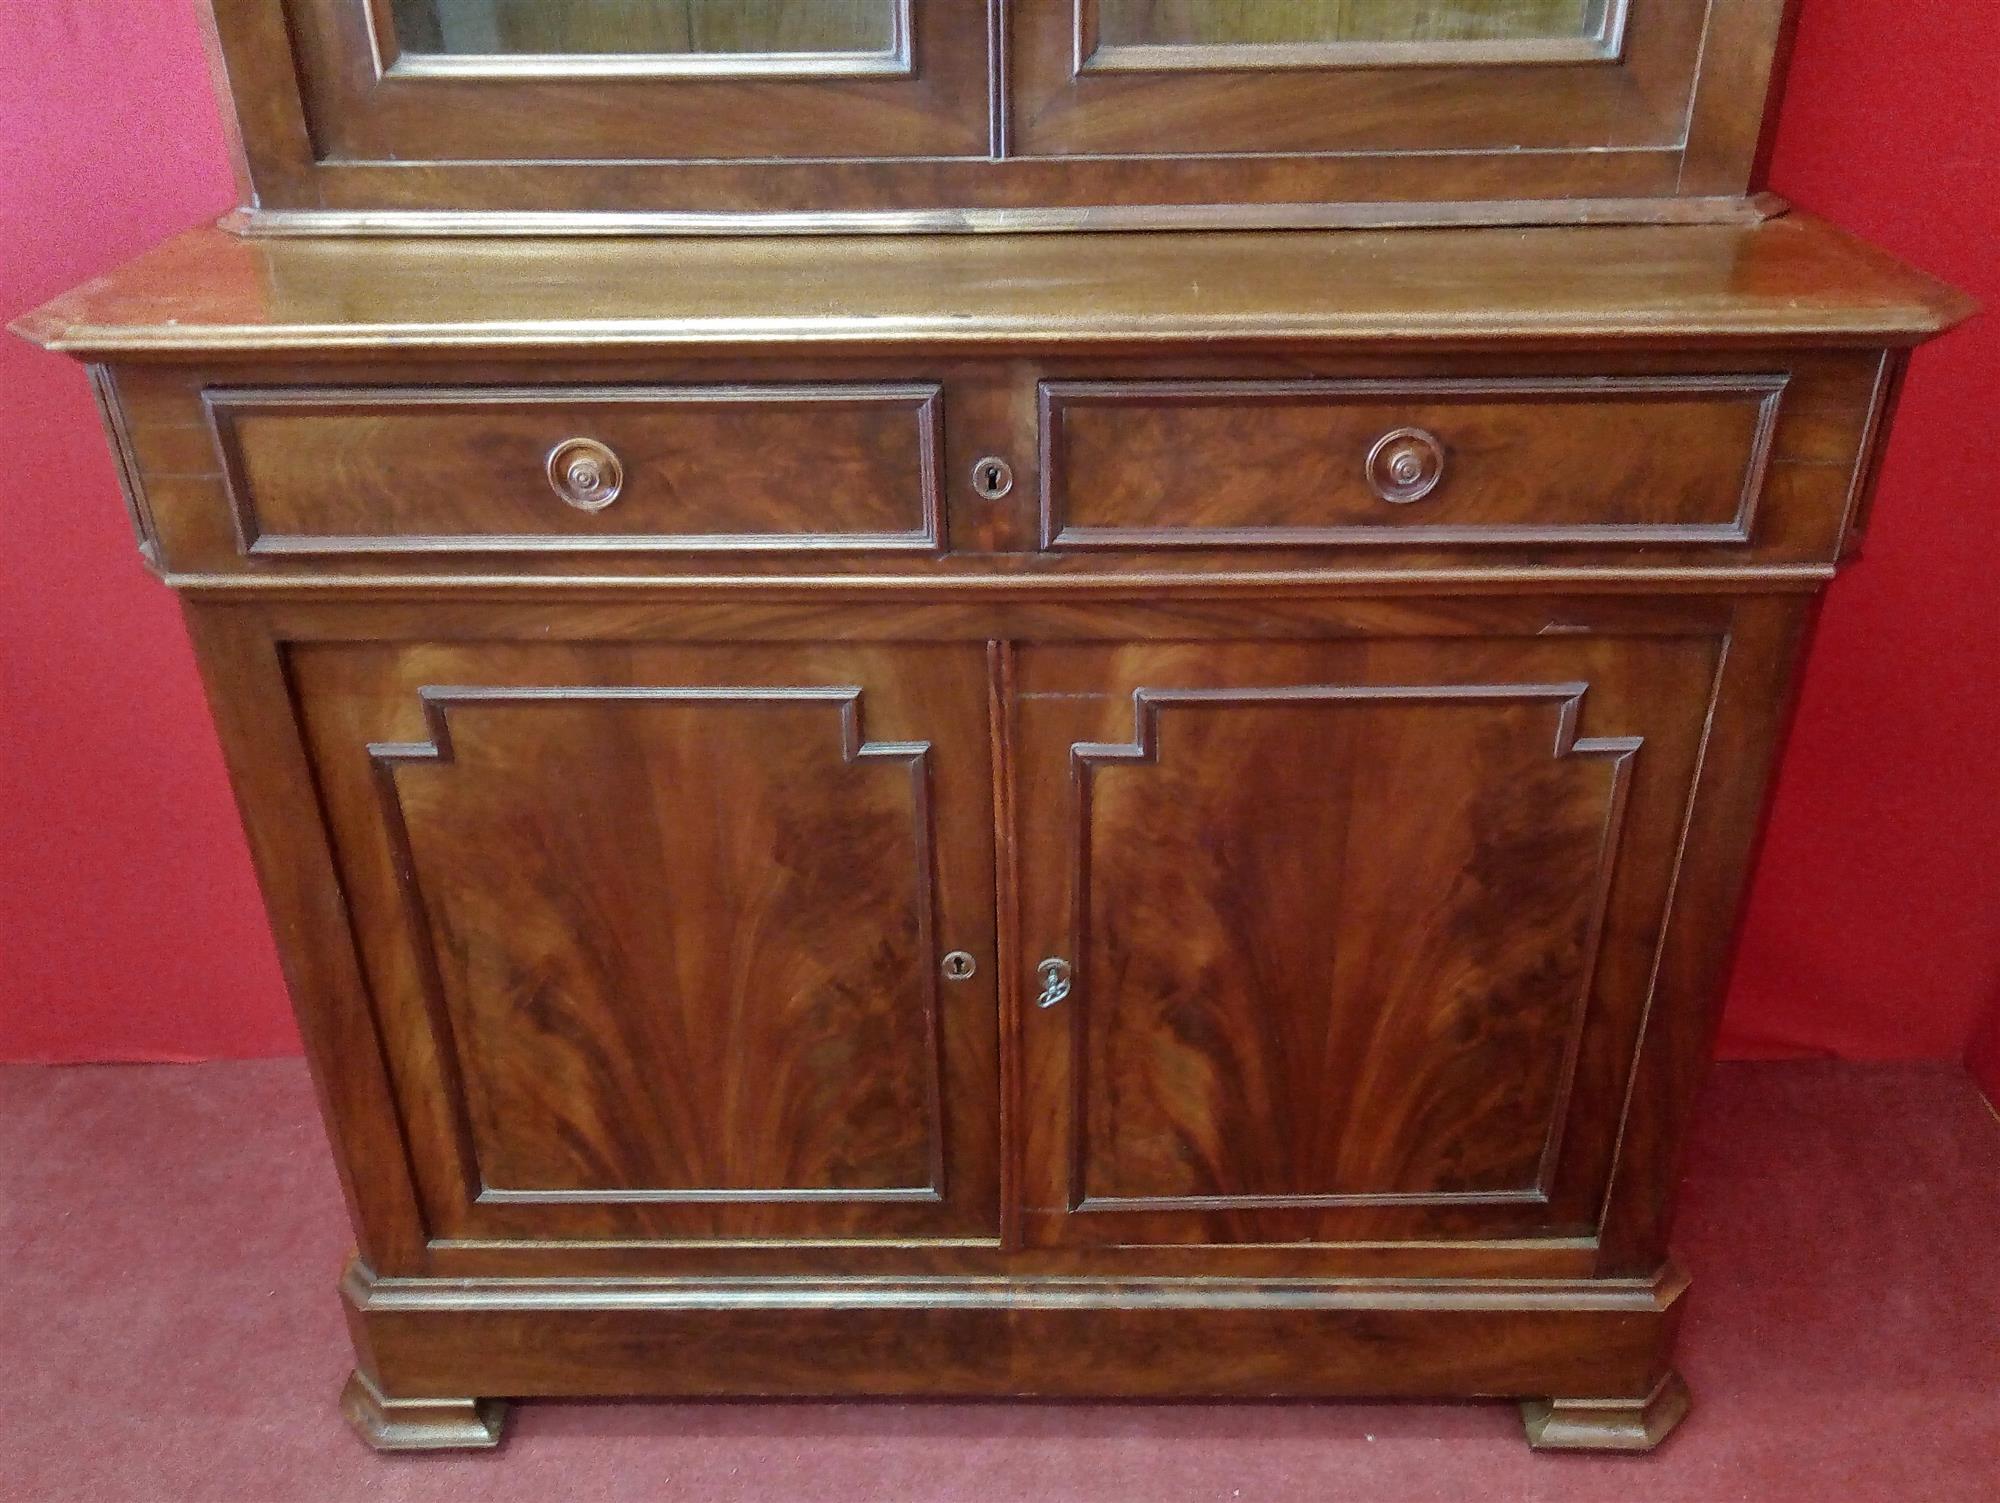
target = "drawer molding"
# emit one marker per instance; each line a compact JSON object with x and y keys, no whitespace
{"x":1057,"y":398}
{"x":226,"y":407}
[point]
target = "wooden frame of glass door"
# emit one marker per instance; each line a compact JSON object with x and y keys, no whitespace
{"x":364,"y":101}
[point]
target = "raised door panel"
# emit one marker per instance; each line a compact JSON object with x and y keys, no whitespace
{"x":657,"y":937}
{"x":640,"y":80}
{"x":1361,"y":934}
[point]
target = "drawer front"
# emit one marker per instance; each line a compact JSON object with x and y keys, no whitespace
{"x":694,"y":468}
{"x":1587,"y":460}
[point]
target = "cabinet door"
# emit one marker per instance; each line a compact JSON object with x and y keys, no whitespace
{"x":659,"y":939}
{"x":1094,"y":77}
{"x":431,"y":81}
{"x":1361,"y":933}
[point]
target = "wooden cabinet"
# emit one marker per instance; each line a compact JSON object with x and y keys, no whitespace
{"x":1153,"y":814}
{"x":1048,"y":834}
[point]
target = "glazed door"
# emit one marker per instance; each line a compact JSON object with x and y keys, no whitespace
{"x":673,"y":943}
{"x":545,"y":81}
{"x":1345,"y":940}
{"x":1330,"y":77}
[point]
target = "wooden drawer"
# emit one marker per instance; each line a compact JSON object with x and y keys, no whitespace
{"x":648,"y":468}
{"x":1546,"y":460}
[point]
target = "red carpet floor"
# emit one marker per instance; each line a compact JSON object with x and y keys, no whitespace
{"x":170,"y":1235}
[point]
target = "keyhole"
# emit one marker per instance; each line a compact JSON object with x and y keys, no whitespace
{"x":992,"y":478}
{"x":959,"y":966}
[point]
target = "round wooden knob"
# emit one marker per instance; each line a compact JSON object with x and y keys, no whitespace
{"x":1405,"y":465}
{"x":585,"y":473}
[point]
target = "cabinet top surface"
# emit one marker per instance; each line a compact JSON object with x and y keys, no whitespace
{"x":1791,"y":279}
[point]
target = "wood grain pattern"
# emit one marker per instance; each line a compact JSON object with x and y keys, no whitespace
{"x":423,"y":470}
{"x":666,"y":955}
{"x":1357,"y":931}
{"x":1592,"y":459}
{"x":1308,"y":976}
{"x":1790,"y":281}
{"x":797,"y":1067}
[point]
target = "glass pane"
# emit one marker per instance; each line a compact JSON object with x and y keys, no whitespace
{"x":1198,"y":23}
{"x":601,"y":27}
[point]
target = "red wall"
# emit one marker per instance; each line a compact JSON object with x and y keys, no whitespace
{"x":1984,"y":1056}
{"x":1874,"y":925}
{"x":128,"y":920}
{"x":127,"y":911}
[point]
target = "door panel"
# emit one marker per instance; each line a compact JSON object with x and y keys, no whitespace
{"x":1113,"y":76}
{"x":641,"y":80}
{"x":1361,"y":932}
{"x":655,"y":933}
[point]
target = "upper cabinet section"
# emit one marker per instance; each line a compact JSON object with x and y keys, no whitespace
{"x":704,"y":115}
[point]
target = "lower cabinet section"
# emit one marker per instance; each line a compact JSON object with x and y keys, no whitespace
{"x":1163,"y":1001}
{"x":848,"y":820}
